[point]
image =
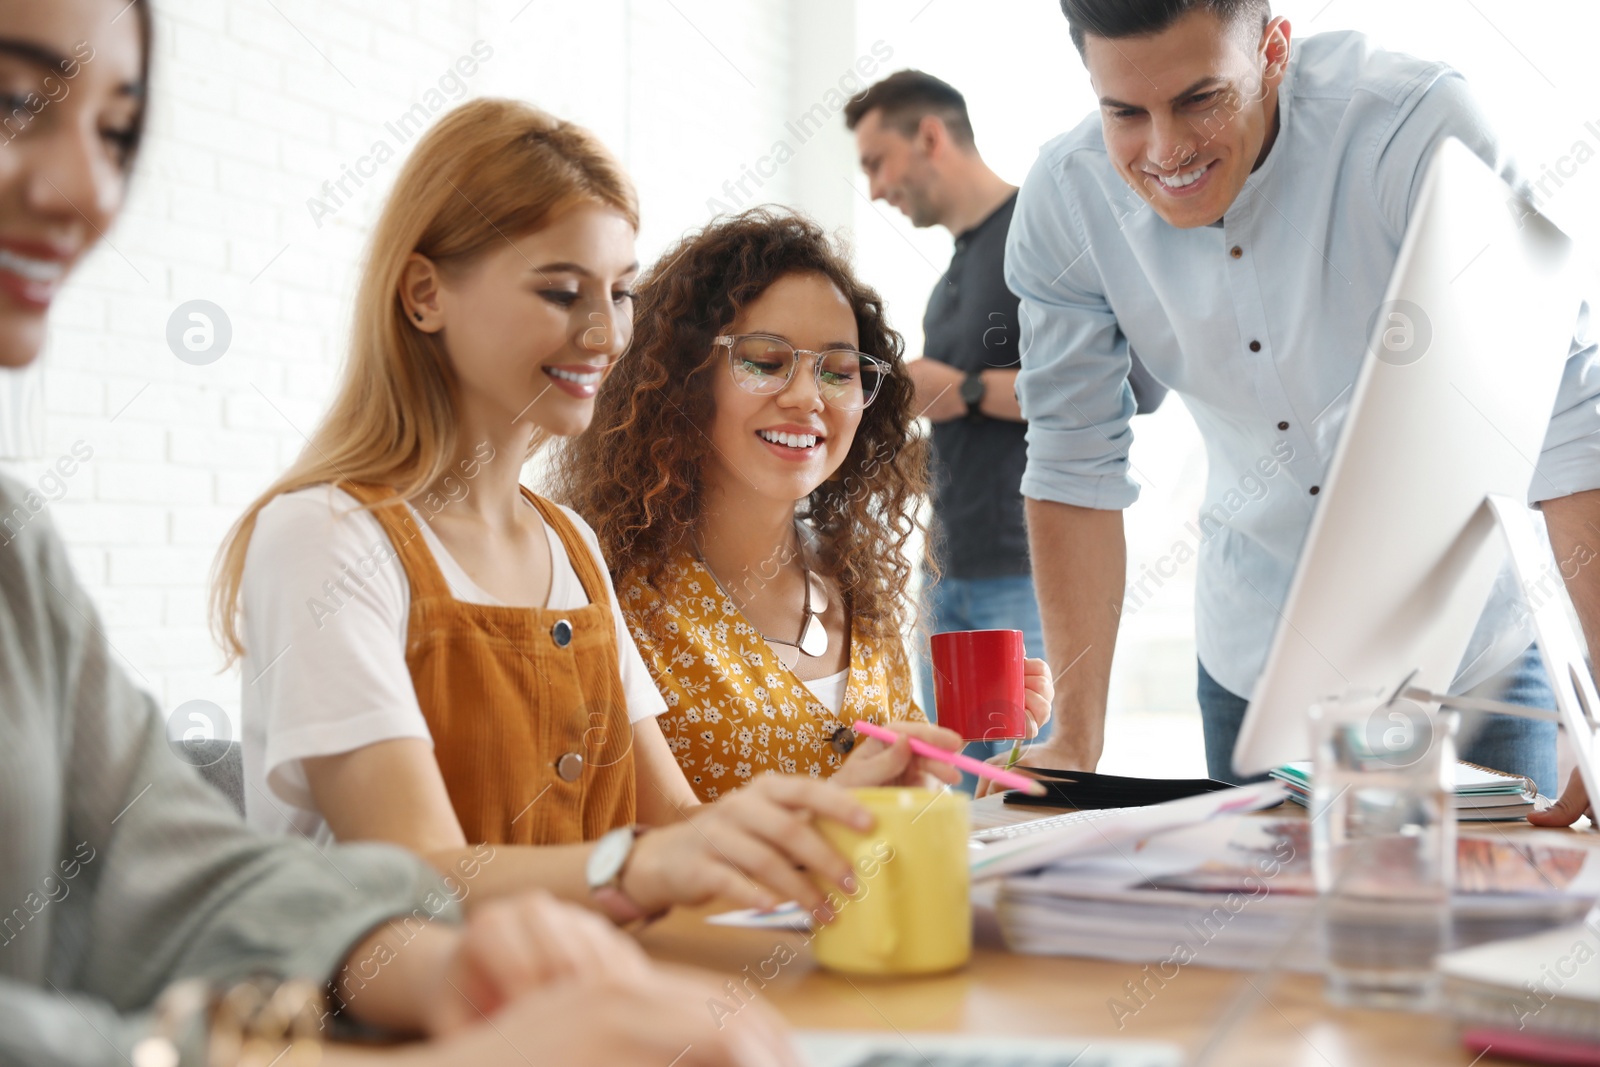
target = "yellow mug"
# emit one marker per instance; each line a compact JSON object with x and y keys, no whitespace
{"x":910,"y":913}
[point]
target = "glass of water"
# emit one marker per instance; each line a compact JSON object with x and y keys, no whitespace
{"x":1383,"y":847}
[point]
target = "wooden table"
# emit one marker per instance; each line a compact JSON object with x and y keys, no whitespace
{"x":1277,"y":1020}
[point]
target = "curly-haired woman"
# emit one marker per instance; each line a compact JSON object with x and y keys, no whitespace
{"x":753,"y":477}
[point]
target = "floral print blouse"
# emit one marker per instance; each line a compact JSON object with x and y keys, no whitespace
{"x":733,"y":709}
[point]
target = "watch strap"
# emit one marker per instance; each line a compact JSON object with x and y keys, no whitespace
{"x":609,"y":896}
{"x":973,"y":389}
{"x":617,"y":905}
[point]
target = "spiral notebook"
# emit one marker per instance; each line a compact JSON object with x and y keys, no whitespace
{"x":1482,"y":794}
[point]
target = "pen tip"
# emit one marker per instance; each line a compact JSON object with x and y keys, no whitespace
{"x":1036,"y":789}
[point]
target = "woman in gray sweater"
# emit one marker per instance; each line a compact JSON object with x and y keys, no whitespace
{"x":121,"y":871}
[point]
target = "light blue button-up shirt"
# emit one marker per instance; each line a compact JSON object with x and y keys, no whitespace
{"x":1263,"y":344}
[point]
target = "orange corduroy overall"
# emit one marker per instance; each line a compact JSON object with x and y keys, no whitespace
{"x":525,"y":705}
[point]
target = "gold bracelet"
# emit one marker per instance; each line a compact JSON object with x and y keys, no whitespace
{"x":255,"y":1023}
{"x":178,"y":1010}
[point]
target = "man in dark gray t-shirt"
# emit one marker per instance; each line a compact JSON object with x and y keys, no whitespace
{"x":919,"y":154}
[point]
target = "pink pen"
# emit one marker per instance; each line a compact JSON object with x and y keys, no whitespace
{"x":1009,"y":779}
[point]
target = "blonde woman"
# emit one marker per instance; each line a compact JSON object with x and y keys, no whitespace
{"x":435,"y":654}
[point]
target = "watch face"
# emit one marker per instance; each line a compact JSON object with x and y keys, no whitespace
{"x":610,"y":852}
{"x":972,"y":389}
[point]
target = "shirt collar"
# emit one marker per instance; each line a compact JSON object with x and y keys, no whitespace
{"x":1262,"y":174}
{"x":966,"y":235}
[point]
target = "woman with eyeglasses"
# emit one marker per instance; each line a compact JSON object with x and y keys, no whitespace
{"x":753,"y":476}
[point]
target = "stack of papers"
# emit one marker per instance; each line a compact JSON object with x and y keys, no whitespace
{"x":1482,"y":795}
{"x":1237,"y":892}
{"x":1546,"y":984}
{"x":1108,"y":828}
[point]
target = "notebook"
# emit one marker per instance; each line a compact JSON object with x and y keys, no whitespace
{"x":1545,"y":984}
{"x":1482,"y":795}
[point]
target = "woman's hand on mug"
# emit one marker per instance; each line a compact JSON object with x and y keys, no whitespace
{"x":1040,"y":694}
{"x":872,"y":762}
{"x":745,"y":848}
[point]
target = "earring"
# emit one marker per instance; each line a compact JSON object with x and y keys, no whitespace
{"x":418,"y":314}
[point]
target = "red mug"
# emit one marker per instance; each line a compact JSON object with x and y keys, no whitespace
{"x":978,"y":684}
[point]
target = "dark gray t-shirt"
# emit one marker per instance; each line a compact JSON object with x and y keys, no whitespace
{"x":971,"y":324}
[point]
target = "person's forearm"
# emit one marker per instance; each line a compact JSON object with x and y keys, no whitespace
{"x":392,"y":977}
{"x":1000,"y":395}
{"x":938,"y":391}
{"x":662,"y":803}
{"x":1079,"y":570}
{"x":482,"y":873}
{"x":664,"y":794}
{"x":1574,"y":524}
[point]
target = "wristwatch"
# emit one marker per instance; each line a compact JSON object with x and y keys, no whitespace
{"x":607,"y":861}
{"x":973,"y":389}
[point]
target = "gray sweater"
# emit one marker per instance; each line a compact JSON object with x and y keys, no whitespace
{"x":120,"y":869}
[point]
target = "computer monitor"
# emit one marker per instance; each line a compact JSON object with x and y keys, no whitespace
{"x":1446,"y":422}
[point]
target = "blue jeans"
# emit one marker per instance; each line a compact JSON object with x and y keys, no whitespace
{"x":1502,"y":742}
{"x":980,"y":604}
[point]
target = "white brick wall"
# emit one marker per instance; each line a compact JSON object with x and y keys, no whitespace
{"x":249,"y":121}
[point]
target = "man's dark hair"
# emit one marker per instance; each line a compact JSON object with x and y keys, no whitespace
{"x":1140,"y":18}
{"x":904,"y":97}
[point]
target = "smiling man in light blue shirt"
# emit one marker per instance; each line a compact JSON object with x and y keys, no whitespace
{"x":1233,"y":213}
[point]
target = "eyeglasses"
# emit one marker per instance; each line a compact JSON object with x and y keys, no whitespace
{"x":763,"y":364}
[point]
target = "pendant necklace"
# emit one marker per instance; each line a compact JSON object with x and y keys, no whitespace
{"x":812,"y":639}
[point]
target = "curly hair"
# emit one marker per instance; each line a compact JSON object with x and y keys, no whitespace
{"x":638,"y":474}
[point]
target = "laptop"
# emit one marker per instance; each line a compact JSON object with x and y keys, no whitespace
{"x":841,"y":1048}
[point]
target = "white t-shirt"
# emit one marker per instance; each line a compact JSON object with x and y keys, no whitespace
{"x":829,"y":691}
{"x":326,"y":605}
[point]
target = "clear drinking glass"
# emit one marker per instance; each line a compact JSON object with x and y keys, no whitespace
{"x":1383,"y":847}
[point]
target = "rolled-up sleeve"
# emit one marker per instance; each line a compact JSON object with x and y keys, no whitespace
{"x":162,"y":880}
{"x":1570,"y":460}
{"x":1073,"y":383}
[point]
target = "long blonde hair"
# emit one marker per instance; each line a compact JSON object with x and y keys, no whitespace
{"x":488,"y":171}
